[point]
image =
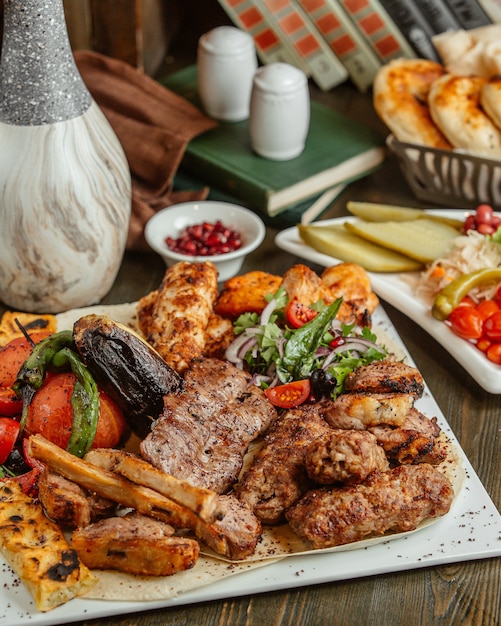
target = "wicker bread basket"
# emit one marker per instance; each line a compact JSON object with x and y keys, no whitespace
{"x":449,"y":178}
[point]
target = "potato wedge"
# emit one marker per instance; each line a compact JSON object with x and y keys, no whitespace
{"x":337,"y":241}
{"x":376,"y":212}
{"x":423,"y":240}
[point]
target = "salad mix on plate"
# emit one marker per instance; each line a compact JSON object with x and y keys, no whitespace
{"x":298,"y":353}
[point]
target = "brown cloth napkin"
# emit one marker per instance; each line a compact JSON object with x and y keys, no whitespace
{"x":153,"y":124}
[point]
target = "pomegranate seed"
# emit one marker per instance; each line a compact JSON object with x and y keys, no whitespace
{"x":205,"y":239}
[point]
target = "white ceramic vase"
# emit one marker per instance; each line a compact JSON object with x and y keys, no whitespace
{"x":65,"y":187}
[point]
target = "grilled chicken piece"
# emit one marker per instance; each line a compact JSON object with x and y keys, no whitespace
{"x":180,"y":313}
{"x":204,"y":431}
{"x":397,"y":500}
{"x":68,"y":504}
{"x":277,"y":476}
{"x":345,"y":280}
{"x":362,"y":410}
{"x":224,"y":536}
{"x":386,"y":376}
{"x":220,"y":334}
{"x":246,"y":293}
{"x":415,"y":441}
{"x":301,"y":283}
{"x":352,"y":283}
{"x":344,"y":456}
{"x":135,"y":544}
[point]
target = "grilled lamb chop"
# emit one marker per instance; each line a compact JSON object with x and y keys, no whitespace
{"x":277,"y":476}
{"x":386,"y":376}
{"x":68,"y":504}
{"x":415,"y":441}
{"x":204,"y":430}
{"x":397,"y":500}
{"x":344,"y":456}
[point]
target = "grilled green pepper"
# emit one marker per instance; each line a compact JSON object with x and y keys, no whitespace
{"x":450,"y":296}
{"x":54,"y":353}
{"x":84,"y":400}
{"x":32,"y":373}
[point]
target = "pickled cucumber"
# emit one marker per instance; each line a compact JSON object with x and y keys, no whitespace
{"x":423,"y":239}
{"x":376,"y":212}
{"x":338,"y":242}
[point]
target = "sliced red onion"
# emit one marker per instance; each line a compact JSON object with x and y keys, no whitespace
{"x":267,"y":311}
{"x":240,"y":346}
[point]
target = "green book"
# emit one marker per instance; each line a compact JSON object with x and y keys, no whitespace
{"x":303,"y":212}
{"x":338,"y":150}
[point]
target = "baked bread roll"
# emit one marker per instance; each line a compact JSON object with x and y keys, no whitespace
{"x":475,"y":52}
{"x":454,"y":103}
{"x":490,"y":99}
{"x":400,"y":93}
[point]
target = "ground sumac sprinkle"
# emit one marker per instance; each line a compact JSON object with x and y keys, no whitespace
{"x":205,"y":239}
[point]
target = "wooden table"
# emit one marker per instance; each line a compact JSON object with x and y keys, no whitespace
{"x":462,"y":593}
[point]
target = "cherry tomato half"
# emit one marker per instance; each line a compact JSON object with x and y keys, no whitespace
{"x":289,"y":395}
{"x":466,"y":322}
{"x":492,"y":327}
{"x":9,"y":431}
{"x":298,"y":314}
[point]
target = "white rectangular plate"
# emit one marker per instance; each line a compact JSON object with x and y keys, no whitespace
{"x":395,"y":290}
{"x":471,"y":530}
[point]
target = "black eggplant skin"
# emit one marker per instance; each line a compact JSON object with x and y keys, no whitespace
{"x":130,"y":371}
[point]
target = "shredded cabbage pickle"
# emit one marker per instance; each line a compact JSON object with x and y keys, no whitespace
{"x":469,"y":253}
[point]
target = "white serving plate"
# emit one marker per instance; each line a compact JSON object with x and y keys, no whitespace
{"x":470,"y":531}
{"x":395,"y":290}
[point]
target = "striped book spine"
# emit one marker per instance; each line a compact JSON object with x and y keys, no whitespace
{"x":344,"y":39}
{"x":469,"y":13}
{"x":269,"y":46}
{"x":380,"y":30}
{"x":492,"y":8}
{"x":291,"y":22}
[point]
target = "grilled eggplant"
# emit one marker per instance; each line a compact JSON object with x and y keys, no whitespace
{"x":127,"y":368}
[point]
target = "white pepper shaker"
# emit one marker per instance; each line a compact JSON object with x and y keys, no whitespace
{"x":226,"y":63}
{"x":279,"y":112}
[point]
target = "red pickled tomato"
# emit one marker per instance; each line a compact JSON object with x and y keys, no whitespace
{"x":487,"y":308}
{"x":483,"y":344}
{"x":466,"y":322}
{"x":493,"y":353}
{"x":492,"y":327}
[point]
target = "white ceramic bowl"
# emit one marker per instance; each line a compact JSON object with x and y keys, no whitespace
{"x":171,"y":221}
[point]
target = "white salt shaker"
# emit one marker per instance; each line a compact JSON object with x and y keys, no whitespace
{"x":279,"y":116}
{"x":226,"y":63}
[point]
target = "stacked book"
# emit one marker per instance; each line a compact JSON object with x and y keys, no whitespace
{"x":336,"y":40}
